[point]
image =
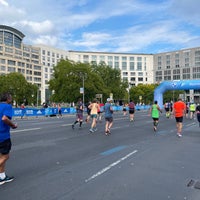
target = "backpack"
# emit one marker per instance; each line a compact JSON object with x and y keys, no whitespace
{"x":131,"y":105}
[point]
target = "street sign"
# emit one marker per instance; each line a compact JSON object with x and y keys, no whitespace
{"x":98,"y":95}
{"x":81,"y":90}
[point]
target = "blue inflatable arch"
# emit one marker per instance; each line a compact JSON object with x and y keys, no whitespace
{"x":174,"y":85}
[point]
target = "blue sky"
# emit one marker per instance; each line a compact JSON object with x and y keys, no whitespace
{"x":128,"y":26}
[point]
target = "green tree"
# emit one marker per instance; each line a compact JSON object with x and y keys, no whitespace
{"x":112,"y":81}
{"x":68,"y":78}
{"x":146,"y":91}
{"x":21,"y":90}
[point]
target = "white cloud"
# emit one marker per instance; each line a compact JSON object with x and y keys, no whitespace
{"x":38,"y":27}
{"x":4,"y":3}
{"x":46,"y":40}
{"x":92,"y":39}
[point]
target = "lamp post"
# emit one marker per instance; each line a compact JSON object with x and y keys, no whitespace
{"x":38,"y":90}
{"x":82,"y":90}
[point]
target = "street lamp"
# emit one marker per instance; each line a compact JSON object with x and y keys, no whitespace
{"x":82,"y":90}
{"x":38,"y":90}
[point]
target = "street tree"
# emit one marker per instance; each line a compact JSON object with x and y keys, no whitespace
{"x":21,"y":90}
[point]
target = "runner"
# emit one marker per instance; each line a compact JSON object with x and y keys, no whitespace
{"x":192,"y":110}
{"x":131,"y":110}
{"x":167,"y":109}
{"x":179,"y":109}
{"x":198,"y":113}
{"x":79,"y":114}
{"x":5,"y":136}
{"x":100,"y":111}
{"x":154,"y":111}
{"x":94,"y":109}
{"x":124,"y":109}
{"x":88,"y":112}
{"x":108,"y":116}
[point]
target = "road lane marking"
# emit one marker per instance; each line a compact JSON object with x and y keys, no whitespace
{"x":113,"y":150}
{"x":66,"y":125}
{"x":23,"y":130}
{"x":110,"y":166}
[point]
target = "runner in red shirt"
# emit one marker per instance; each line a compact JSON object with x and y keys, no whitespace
{"x":179,"y":109}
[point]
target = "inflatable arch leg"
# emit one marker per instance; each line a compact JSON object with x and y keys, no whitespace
{"x":174,"y":85}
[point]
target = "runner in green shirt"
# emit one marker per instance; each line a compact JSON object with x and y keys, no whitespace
{"x":155,"y":110}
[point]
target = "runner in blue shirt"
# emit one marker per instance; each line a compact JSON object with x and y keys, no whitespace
{"x":5,"y":141}
{"x":108,"y":116}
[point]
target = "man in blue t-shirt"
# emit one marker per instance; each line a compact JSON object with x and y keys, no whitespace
{"x":108,"y":116}
{"x":5,"y":141}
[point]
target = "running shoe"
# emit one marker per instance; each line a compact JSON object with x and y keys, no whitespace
{"x":91,"y":130}
{"x":179,"y":135}
{"x":6,"y":180}
{"x":72,"y":126}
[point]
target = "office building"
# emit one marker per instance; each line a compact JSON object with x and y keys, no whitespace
{"x":18,"y":57}
{"x":179,"y":65}
{"x":36,"y":63}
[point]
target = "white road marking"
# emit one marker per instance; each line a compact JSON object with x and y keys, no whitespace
{"x":23,"y":130}
{"x":110,"y":166}
{"x":66,"y":125}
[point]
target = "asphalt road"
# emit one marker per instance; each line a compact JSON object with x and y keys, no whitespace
{"x":50,"y":161}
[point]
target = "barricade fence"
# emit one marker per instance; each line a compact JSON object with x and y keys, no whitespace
{"x":19,"y":112}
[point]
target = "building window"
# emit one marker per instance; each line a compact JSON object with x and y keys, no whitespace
{"x":125,"y":73}
{"x":116,"y":65}
{"x":116,"y":58}
{"x":2,"y":61}
{"x":139,"y":66}
{"x":132,"y":66}
{"x":140,"y":79}
{"x":110,"y":63}
{"x":132,"y":73}
{"x":124,"y":66}
{"x":124,"y":58}
{"x":85,"y":58}
{"x":94,"y":58}
{"x":11,"y":69}
{"x":11,"y":62}
{"x":8,"y":38}
{"x":1,"y":37}
{"x":131,"y":58}
{"x":3,"y":68}
{"x":125,"y":79}
{"x":17,"y":42}
{"x":110,"y":58}
{"x":102,"y":58}
{"x":132,"y":79}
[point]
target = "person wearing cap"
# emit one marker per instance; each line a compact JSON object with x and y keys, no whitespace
{"x":108,"y":116}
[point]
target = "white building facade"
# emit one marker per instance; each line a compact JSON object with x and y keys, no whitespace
{"x":135,"y":68}
{"x":36,"y":63}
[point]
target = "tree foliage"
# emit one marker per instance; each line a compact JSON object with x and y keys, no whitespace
{"x":69,"y":77}
{"x":21,"y":90}
{"x":145,"y":92}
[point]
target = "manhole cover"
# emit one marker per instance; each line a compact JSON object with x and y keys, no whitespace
{"x":197,"y":185}
{"x":193,"y":183}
